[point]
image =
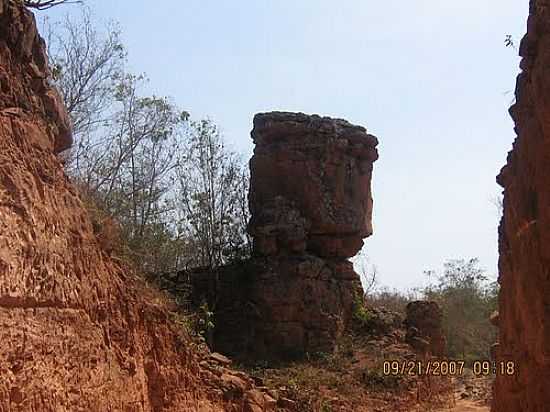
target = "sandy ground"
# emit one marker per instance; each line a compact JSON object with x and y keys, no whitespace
{"x":464,"y":405}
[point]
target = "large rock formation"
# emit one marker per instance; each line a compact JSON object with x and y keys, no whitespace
{"x":77,"y":331}
{"x":311,"y":206}
{"x":310,"y":185}
{"x":524,"y":244}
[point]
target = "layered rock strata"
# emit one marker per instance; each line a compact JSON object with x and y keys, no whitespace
{"x":524,"y":232}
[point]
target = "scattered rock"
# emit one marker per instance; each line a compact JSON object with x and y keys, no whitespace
{"x":382,"y":321}
{"x":420,"y":345}
{"x":233,"y":386}
{"x":221,"y":359}
{"x":287,"y":404}
{"x":256,"y":401}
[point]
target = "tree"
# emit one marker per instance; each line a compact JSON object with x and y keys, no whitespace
{"x":367,"y":273}
{"x":126,"y":144}
{"x":212,"y":198}
{"x":467,"y":300}
{"x":179,"y":195}
{"x":212,"y":190}
{"x":46,"y":4}
{"x":87,"y":66}
{"x":509,"y":41}
{"x":133,"y":170}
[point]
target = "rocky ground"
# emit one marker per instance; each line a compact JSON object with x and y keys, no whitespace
{"x":353,"y":378}
{"x":468,"y":406}
{"x":471,"y":394}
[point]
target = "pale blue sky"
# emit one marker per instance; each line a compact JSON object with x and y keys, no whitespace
{"x":432,"y":79}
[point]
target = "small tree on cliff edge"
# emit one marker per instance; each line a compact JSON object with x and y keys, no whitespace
{"x":87,"y":67}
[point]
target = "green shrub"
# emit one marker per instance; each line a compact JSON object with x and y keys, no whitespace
{"x":361,"y":316}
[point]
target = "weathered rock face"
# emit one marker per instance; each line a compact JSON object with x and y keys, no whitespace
{"x":304,"y":303}
{"x":311,"y":206}
{"x":310,"y":185}
{"x":424,"y":328}
{"x":78,"y":332}
{"x":271,"y":307}
{"x":524,"y":244}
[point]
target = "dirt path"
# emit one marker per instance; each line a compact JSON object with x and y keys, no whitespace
{"x":472,"y":394}
{"x":464,"y":405}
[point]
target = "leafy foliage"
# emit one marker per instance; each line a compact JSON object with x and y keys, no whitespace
{"x":361,"y":315}
{"x":509,"y":41}
{"x":205,"y":322}
{"x":467,"y":299}
{"x":391,"y":299}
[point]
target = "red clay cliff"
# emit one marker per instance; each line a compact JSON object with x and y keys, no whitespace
{"x":78,"y":332}
{"x":524,"y":244}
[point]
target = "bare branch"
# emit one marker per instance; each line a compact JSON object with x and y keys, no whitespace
{"x":47,"y":4}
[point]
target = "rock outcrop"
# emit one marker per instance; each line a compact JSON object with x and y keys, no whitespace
{"x":311,"y":205}
{"x":424,"y":328}
{"x":524,"y":232}
{"x":310,"y":185}
{"x":78,"y":332}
